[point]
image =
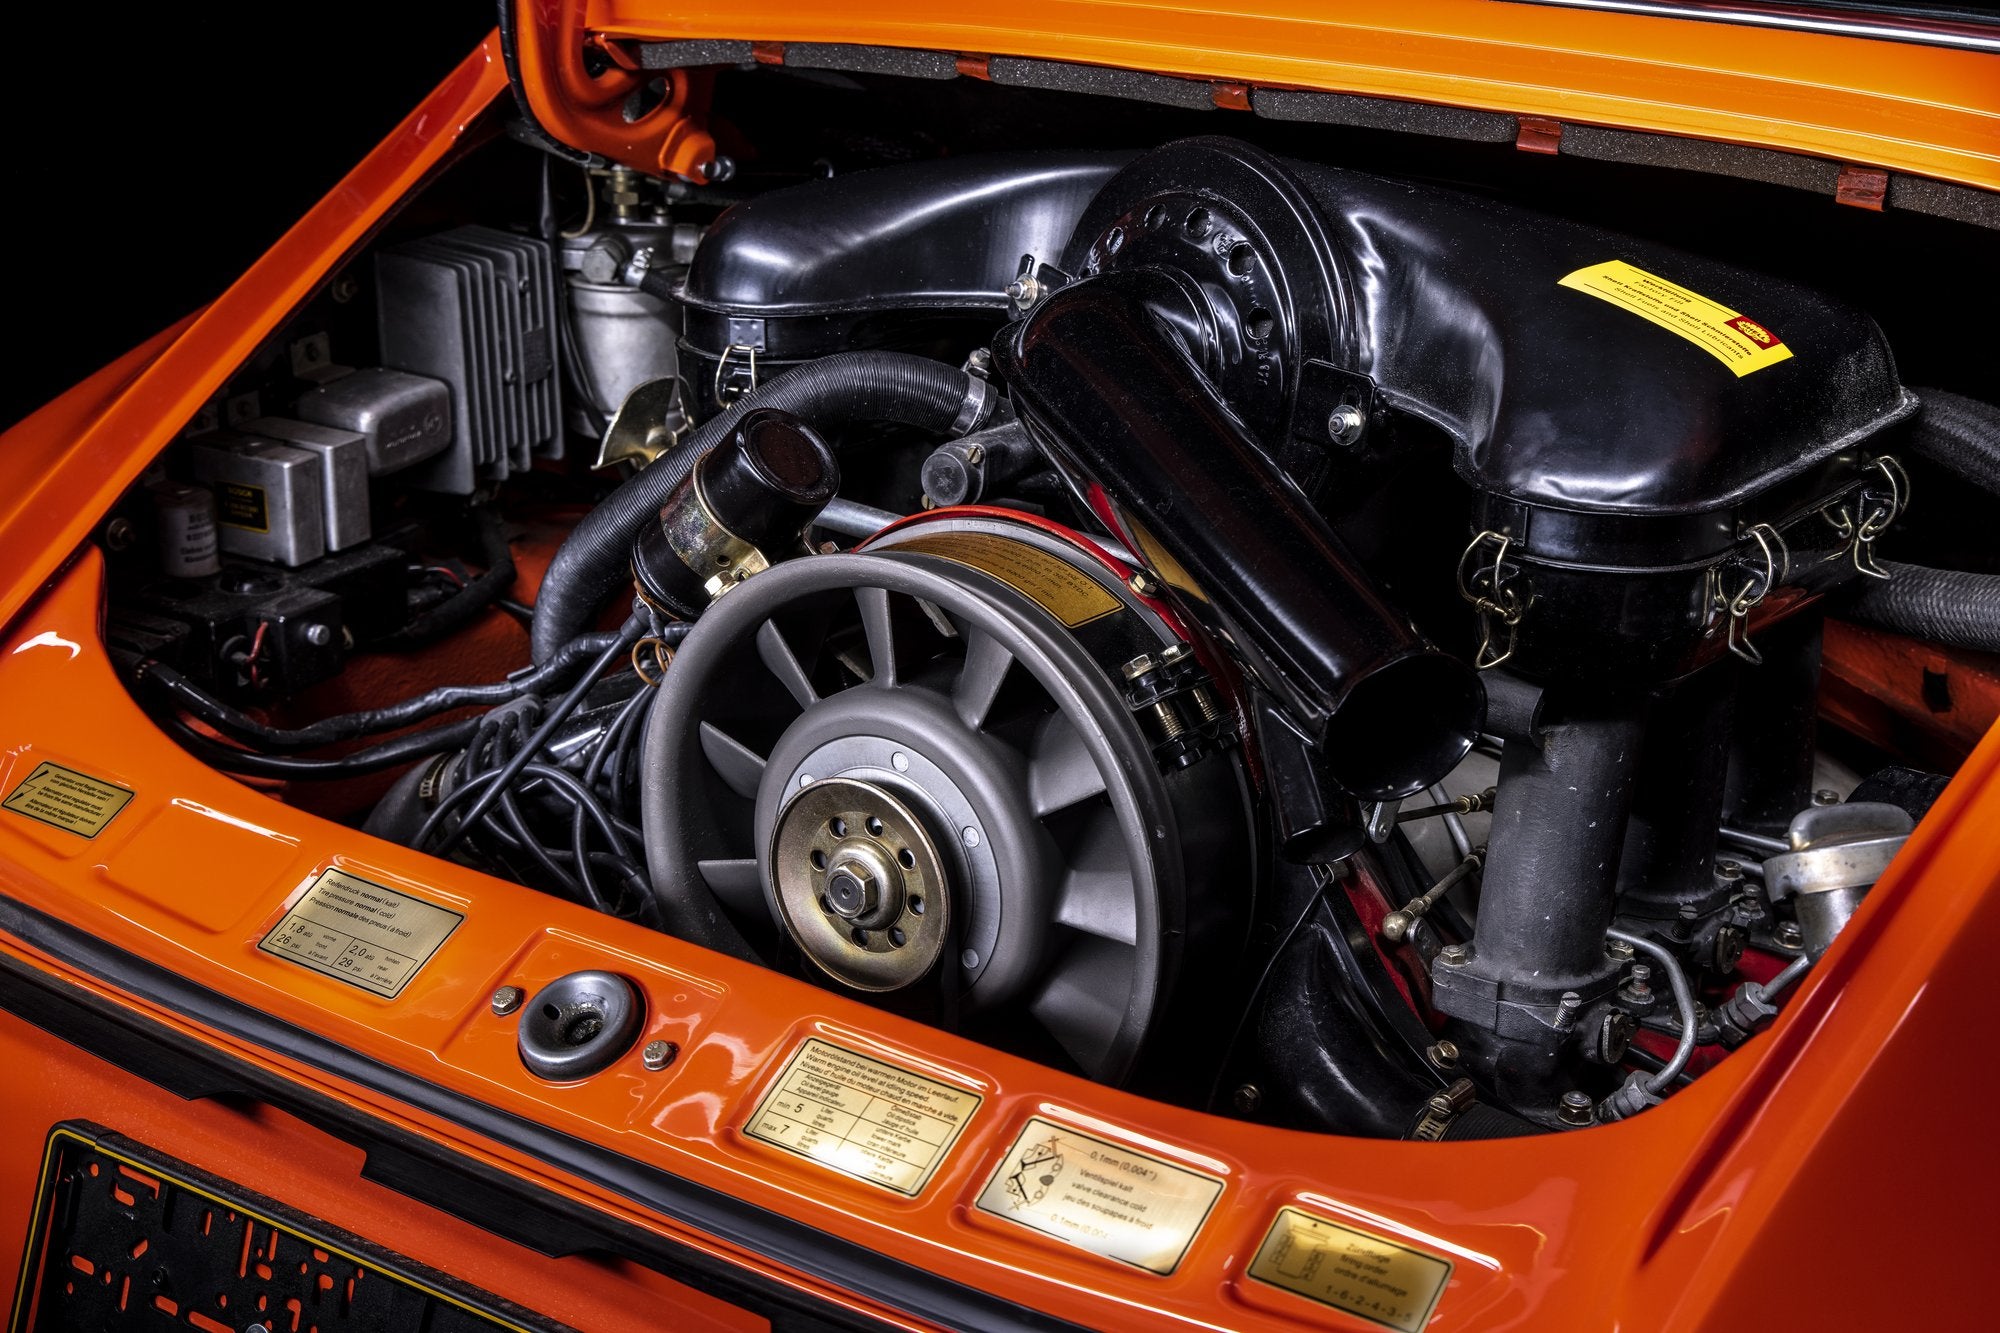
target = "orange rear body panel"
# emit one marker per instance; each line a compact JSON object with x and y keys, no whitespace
{"x":1762,"y":1196}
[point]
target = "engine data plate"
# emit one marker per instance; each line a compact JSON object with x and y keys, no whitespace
{"x":1326,"y":1261}
{"x":360,"y":932}
{"x":861,"y":1116}
{"x":1110,"y":1200}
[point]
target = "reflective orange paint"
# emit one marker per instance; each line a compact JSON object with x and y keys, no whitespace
{"x":1921,"y":109}
{"x":1593,"y":1228}
{"x":1721,"y":1208}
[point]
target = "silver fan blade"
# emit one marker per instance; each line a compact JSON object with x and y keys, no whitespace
{"x":738,"y":884}
{"x":1082,"y":1004}
{"x":739,"y":767}
{"x":881,"y":632}
{"x":1061,"y":771}
{"x":987,"y":662}
{"x":1097,"y":895}
{"x":785,"y":665}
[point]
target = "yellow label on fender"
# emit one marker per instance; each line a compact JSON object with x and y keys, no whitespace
{"x":361,"y":932}
{"x":1733,"y":338}
{"x":1351,"y":1270}
{"x":1101,"y":1197}
{"x":66,"y":799}
{"x":1068,"y":593}
{"x":864,"y":1117}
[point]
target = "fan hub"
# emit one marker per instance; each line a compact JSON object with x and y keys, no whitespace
{"x":860,"y":883}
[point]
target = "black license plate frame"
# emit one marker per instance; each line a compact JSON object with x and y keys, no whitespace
{"x":162,"y":1233}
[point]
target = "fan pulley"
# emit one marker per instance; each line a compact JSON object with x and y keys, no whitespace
{"x":921,"y":772}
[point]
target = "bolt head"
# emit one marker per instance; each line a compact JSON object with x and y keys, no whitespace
{"x":1620,"y":950}
{"x":119,"y":534}
{"x":1575,"y":1108}
{"x":318,"y":635}
{"x":1344,"y":424}
{"x":507,"y":999}
{"x":1826,"y":796}
{"x":1443,"y":1054}
{"x":852,"y":890}
{"x":1728,"y":870}
{"x":659,"y":1054}
{"x":1247,"y":1098}
{"x":1453,"y":955}
{"x":1789,"y":935}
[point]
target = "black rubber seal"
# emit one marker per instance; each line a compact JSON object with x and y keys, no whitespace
{"x":202,"y":1071}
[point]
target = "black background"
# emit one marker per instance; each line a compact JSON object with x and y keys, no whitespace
{"x":152,"y":153}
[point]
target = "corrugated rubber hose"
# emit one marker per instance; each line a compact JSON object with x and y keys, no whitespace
{"x":1947,"y":606}
{"x":832,"y":393}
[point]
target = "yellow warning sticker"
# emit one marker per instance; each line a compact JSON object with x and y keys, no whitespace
{"x":862,"y":1117}
{"x":1731,"y":337}
{"x":361,"y":932}
{"x":1068,"y":593}
{"x":1350,"y":1270}
{"x":66,"y":799}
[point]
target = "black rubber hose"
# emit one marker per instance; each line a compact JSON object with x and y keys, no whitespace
{"x":1959,"y":434}
{"x":169,"y":685}
{"x":832,"y":393}
{"x":1947,"y":606}
{"x":465,"y":605}
{"x":388,"y":754}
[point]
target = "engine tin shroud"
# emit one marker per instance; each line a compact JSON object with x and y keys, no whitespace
{"x":1622,"y":462}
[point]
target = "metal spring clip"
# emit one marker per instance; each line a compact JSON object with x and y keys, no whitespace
{"x":1756,"y":585}
{"x":1487,"y":587}
{"x":729,"y":393}
{"x":1878,"y":512}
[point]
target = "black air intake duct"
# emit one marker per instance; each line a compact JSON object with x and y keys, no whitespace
{"x":1101,"y":374}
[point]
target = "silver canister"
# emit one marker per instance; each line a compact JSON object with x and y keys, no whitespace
{"x":184,"y":517}
{"x":267,"y":497}
{"x":343,"y":456}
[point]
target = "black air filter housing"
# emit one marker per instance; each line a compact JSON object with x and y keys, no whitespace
{"x":1653,"y":437}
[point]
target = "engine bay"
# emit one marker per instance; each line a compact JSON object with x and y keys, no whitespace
{"x":1327,"y":628}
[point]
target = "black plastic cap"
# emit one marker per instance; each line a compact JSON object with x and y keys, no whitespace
{"x":770,"y":479}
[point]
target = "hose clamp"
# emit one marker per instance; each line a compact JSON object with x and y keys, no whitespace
{"x":1491,"y":588}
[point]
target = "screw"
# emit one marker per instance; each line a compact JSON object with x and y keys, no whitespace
{"x":1575,"y":1108}
{"x":1247,"y":1099}
{"x":1345,"y":423}
{"x":119,"y":534}
{"x":316,"y":634}
{"x":1443,"y":1054}
{"x":1453,"y":955}
{"x":1790,"y":936}
{"x":1571,"y":1000}
{"x":507,"y":999}
{"x":659,"y":1054}
{"x":1640,"y":986}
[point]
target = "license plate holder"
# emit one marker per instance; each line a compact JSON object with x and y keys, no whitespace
{"x":123,"y":1234}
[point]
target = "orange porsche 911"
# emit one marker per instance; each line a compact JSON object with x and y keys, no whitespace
{"x":1091,"y":664}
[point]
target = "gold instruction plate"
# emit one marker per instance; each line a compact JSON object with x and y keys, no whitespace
{"x":862,"y":1117}
{"x":66,"y":799}
{"x":1325,"y":1261}
{"x":361,"y":932}
{"x":1112,"y":1201}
